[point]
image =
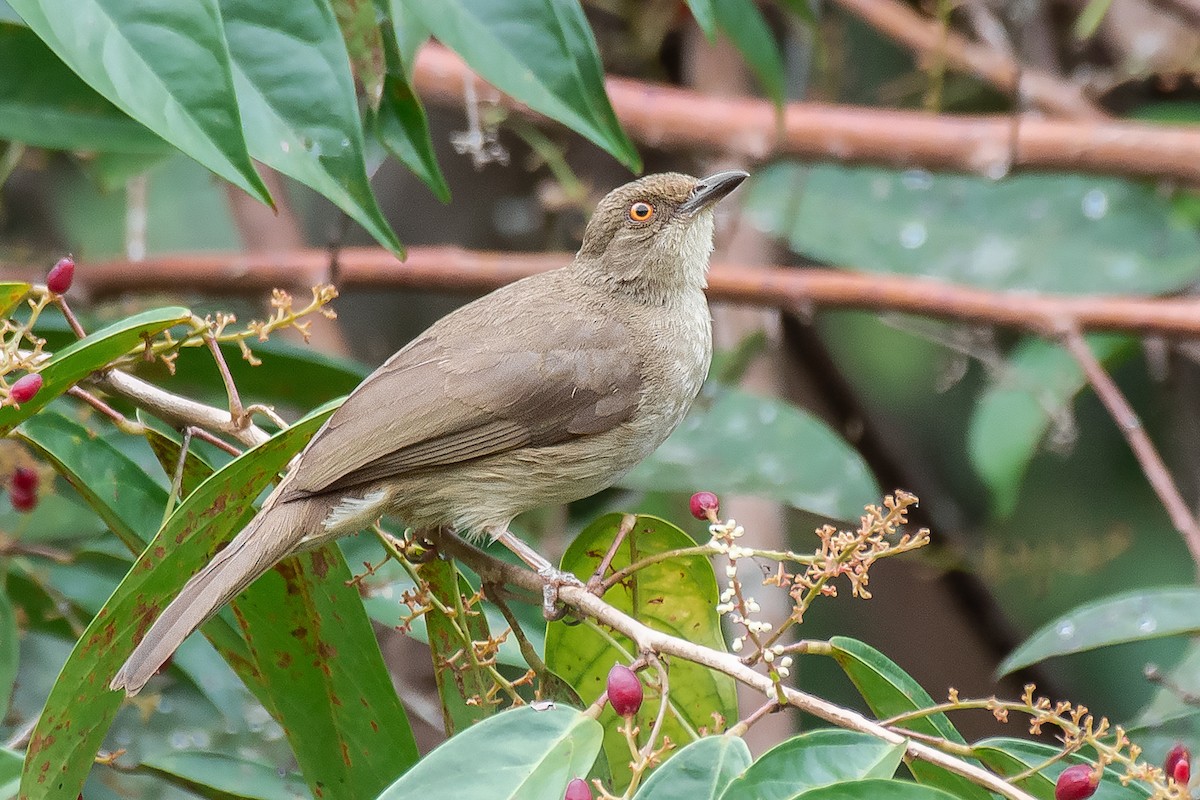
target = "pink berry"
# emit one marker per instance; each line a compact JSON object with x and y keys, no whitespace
{"x":624,"y":690}
{"x":25,"y":387}
{"x":61,"y":275}
{"x":22,"y":489}
{"x":1076,"y":782}
{"x":1178,"y":764}
{"x":578,"y":790}
{"x":703,"y":504}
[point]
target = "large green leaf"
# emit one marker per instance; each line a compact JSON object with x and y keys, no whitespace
{"x":400,"y":124}
{"x":9,"y":648}
{"x":163,"y":63}
{"x":700,"y":771}
{"x":877,"y":790}
{"x":1034,"y":385}
{"x":297,"y":101}
{"x":80,"y":708}
{"x":677,"y":596}
{"x":521,"y":754}
{"x":1006,"y":756}
{"x":890,"y":691}
{"x":1129,"y":617}
{"x":461,"y":685}
{"x":743,"y":23}
{"x":209,"y":773}
{"x":540,"y":52}
{"x":79,"y":359}
{"x":739,"y":443}
{"x":45,"y":104}
{"x":1040,"y":232}
{"x":814,"y":759}
{"x":10,"y":772}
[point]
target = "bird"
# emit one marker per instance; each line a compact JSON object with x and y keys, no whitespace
{"x":545,"y":391}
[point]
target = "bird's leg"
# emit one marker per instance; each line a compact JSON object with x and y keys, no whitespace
{"x":553,"y":577}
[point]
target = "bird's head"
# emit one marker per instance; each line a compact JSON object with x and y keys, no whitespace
{"x":655,"y":233}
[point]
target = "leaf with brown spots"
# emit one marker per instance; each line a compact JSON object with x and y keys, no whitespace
{"x":78,"y":712}
{"x":677,"y":596}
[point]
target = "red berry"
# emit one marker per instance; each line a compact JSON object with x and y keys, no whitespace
{"x":25,"y":387}
{"x":1178,"y":764}
{"x":22,"y":489}
{"x":624,"y":690}
{"x":704,"y":503}
{"x":61,"y":275}
{"x":578,"y":790}
{"x":1076,"y":782}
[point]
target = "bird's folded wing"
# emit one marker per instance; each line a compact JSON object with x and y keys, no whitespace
{"x":451,"y":397}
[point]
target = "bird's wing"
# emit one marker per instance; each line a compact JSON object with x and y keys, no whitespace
{"x":475,"y":387}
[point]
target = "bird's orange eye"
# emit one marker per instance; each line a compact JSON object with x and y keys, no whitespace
{"x":640,"y":211}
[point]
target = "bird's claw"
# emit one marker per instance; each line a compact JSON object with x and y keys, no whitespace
{"x":553,"y":580}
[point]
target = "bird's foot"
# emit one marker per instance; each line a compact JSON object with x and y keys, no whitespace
{"x":554,"y":580}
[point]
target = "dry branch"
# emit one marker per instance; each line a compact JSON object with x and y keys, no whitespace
{"x":458,"y":270}
{"x":748,"y":129}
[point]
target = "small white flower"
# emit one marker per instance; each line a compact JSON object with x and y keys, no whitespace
{"x":783,"y":671}
{"x":768,"y":656}
{"x":785,"y":662}
{"x":724,"y":608}
{"x":752,"y":605}
{"x":737,"y":644}
{"x":730,"y":571}
{"x":727,"y":595}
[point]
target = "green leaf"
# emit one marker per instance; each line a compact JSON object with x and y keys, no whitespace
{"x":540,"y":52}
{"x":1129,"y":617}
{"x":739,"y":443}
{"x":128,"y":500}
{"x":1090,"y":18}
{"x":458,"y":681}
{"x":814,"y":759}
{"x":10,"y":772}
{"x":206,"y":773}
{"x":890,"y":691}
{"x":11,"y":292}
{"x":521,"y":754}
{"x":10,"y":642}
{"x":677,"y":596}
{"x":877,"y":790}
{"x":1006,"y":757}
{"x":699,"y":771}
{"x":79,"y":359}
{"x":1036,"y":384}
{"x":165,"y":64}
{"x":1039,"y":232}
{"x":80,"y":708}
{"x":705,"y":16}
{"x":298,"y":104}
{"x":44,"y":104}
{"x":400,"y":123}
{"x":743,"y":23}
{"x":318,"y":658}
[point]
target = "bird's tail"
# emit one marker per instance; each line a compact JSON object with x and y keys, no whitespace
{"x":270,"y":536}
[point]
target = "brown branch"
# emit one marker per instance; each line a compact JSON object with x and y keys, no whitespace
{"x":927,"y":38}
{"x":492,"y":570}
{"x":748,"y":129}
{"x":458,"y":270}
{"x":1135,"y":434}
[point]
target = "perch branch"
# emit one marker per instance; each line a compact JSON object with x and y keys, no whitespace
{"x":469,"y":271}
{"x":748,"y":129}
{"x":647,"y":639}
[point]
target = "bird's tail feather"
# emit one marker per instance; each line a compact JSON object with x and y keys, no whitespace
{"x":269,"y":537}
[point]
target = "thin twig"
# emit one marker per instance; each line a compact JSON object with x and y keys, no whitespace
{"x":1135,"y":434}
{"x":123,"y":423}
{"x":236,"y":411}
{"x":69,"y":315}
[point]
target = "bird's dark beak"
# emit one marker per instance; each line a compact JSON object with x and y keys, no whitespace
{"x":711,"y":189}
